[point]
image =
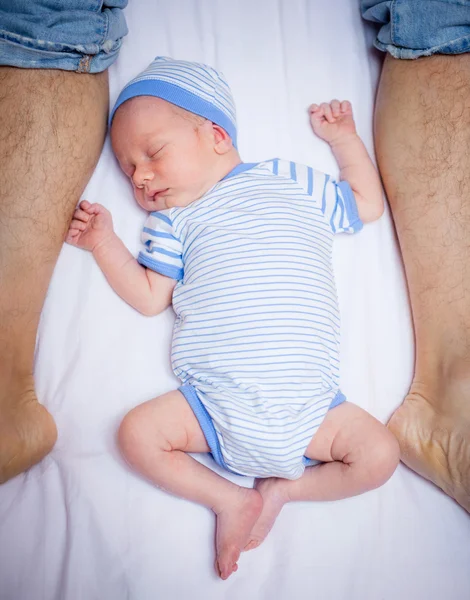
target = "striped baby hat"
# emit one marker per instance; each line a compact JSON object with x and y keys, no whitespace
{"x":196,"y":87}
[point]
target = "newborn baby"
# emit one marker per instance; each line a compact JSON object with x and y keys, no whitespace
{"x":243,"y":251}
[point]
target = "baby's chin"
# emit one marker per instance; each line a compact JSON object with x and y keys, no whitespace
{"x":164,"y":202}
{"x":176,"y":200}
{"x":170,"y":199}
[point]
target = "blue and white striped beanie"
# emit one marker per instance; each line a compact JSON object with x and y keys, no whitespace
{"x":198,"y":88}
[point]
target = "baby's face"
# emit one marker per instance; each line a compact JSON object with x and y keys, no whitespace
{"x":166,"y":152}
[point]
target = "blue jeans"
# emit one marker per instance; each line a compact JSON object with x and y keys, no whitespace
{"x":73,"y":35}
{"x":414,"y":28}
{"x":86,"y":35}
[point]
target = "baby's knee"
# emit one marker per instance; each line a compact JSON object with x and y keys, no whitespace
{"x":128,"y":433}
{"x":383,"y":458}
{"x":133,"y":434}
{"x":144,"y":431}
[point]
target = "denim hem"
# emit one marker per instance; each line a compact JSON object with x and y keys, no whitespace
{"x":459,"y":46}
{"x":16,"y":55}
{"x":409,"y":29}
{"x":83,"y":36}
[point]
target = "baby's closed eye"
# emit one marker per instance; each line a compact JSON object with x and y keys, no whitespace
{"x":154,"y":151}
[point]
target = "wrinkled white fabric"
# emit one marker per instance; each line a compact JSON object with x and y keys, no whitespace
{"x":81,"y":525}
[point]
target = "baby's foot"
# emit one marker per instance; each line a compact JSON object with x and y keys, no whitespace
{"x":274,"y":494}
{"x":234,"y":523}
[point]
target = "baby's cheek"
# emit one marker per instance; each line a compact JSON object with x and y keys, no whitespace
{"x":139,"y":197}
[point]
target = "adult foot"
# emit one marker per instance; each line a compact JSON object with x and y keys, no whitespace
{"x":274,"y":495}
{"x":434,"y":438}
{"x":234,"y":523}
{"x":27,"y":430}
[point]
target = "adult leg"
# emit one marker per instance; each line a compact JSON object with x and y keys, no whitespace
{"x":423,"y":140}
{"x":52,"y":127}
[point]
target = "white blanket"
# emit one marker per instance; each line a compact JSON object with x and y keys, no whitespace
{"x":81,"y":525}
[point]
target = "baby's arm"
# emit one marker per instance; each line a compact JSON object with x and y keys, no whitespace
{"x":92,"y":229}
{"x":334,"y":123}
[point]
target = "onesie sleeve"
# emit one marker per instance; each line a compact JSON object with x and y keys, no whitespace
{"x":162,"y":250}
{"x":338,"y":205}
{"x":334,"y":198}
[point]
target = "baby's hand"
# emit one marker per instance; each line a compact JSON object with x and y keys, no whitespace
{"x":91,"y":225}
{"x":332,"y":121}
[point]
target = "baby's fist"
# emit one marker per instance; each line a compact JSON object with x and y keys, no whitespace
{"x":332,"y":121}
{"x":91,"y":225}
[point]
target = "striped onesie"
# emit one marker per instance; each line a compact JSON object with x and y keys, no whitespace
{"x":256,"y":337}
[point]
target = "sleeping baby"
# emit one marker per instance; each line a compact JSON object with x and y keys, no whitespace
{"x":243,"y":252}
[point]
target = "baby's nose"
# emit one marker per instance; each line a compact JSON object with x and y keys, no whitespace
{"x":141,"y":177}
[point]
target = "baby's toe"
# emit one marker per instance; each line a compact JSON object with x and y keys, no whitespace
{"x":226,"y":565}
{"x":252,"y":544}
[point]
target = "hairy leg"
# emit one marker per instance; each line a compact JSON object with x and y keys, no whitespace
{"x":52,"y":127}
{"x":154,"y":438}
{"x":359,"y":454}
{"x":423,"y":140}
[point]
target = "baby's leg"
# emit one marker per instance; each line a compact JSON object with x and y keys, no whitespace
{"x":154,"y":438}
{"x":359,"y":454}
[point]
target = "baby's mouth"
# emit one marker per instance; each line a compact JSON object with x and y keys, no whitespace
{"x":160,"y":193}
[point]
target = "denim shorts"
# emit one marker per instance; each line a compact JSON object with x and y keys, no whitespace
{"x":414,"y":28}
{"x":73,"y":35}
{"x":86,"y":35}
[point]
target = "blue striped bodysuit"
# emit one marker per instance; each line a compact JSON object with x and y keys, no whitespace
{"x":256,"y":337}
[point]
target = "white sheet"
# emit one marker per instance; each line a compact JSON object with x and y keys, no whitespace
{"x":80,"y":525}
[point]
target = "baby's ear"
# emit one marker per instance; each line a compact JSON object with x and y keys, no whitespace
{"x":222,"y":140}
